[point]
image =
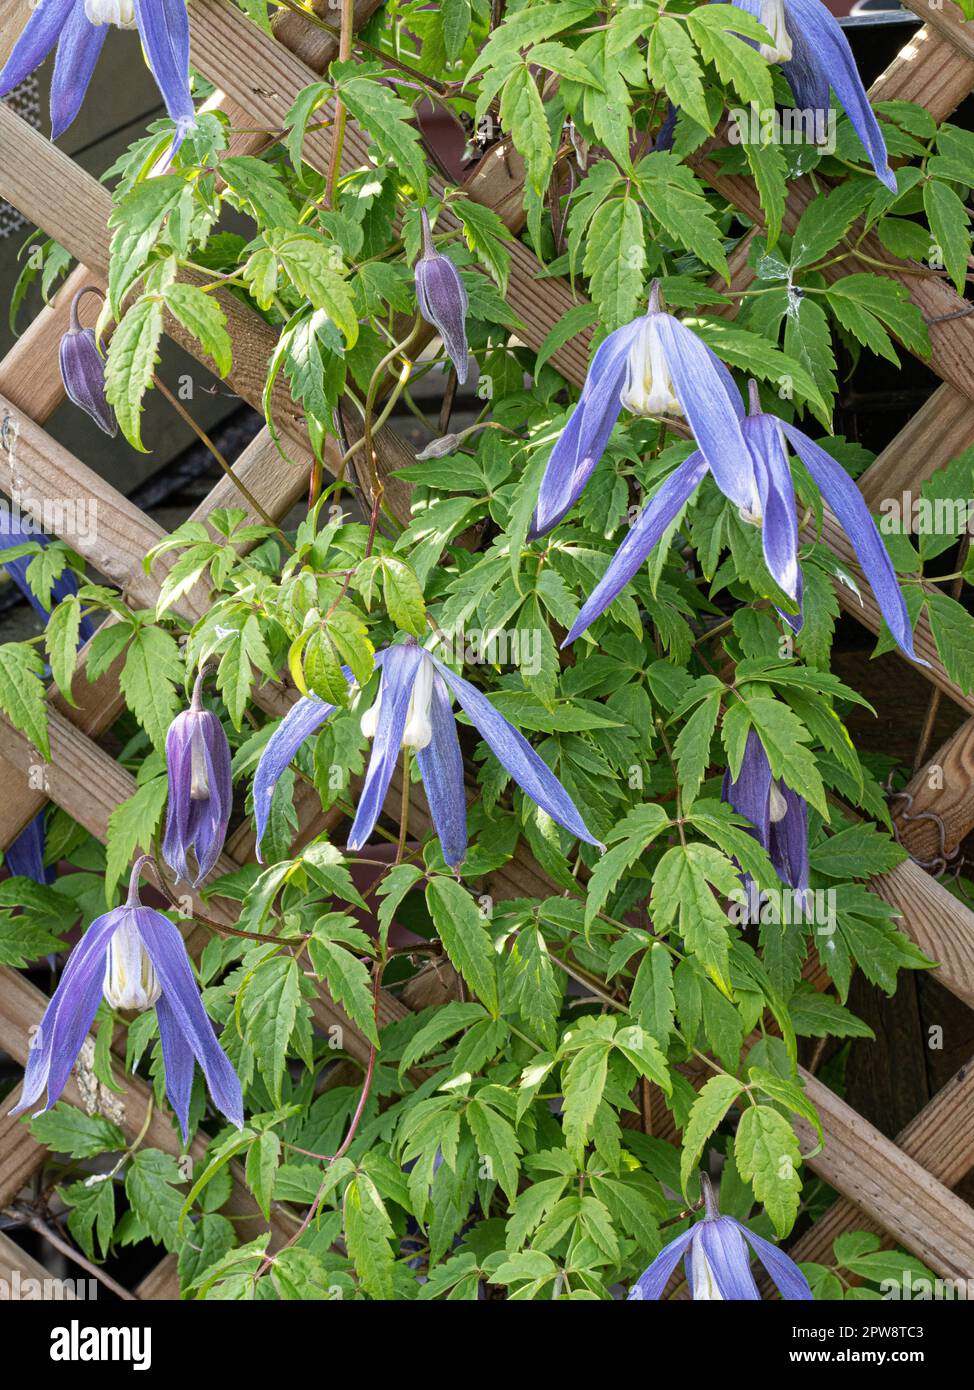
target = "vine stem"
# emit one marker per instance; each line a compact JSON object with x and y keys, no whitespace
{"x":338,"y":132}
{"x":346,"y":1143}
{"x":207,"y":442}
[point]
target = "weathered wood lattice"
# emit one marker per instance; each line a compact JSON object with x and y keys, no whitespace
{"x":901,"y":1189}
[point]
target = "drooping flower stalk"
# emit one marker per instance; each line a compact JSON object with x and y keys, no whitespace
{"x":135,"y":958}
{"x":718,"y":1263}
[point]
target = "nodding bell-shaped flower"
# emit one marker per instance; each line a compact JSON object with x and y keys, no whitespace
{"x":814,"y":53}
{"x":135,"y":958}
{"x":652,"y":366}
{"x":718,"y":1263}
{"x":413,"y":710}
{"x":442,"y":299}
{"x":763,"y":479}
{"x":77,"y":28}
{"x":83,"y":369}
{"x":200,"y":790}
{"x":777,"y":813}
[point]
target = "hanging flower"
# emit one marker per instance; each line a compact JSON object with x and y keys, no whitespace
{"x":78,"y":29}
{"x":442,"y":299}
{"x":773,"y":509}
{"x":83,"y":369}
{"x":718,"y":1263}
{"x":412,"y":710}
{"x":779,"y":815}
{"x":136,"y":959}
{"x":200,"y":789}
{"x":808,"y":42}
{"x":25,"y":857}
{"x":652,"y":366}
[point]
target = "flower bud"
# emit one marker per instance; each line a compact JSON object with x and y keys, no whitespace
{"x":200,"y":790}
{"x":83,"y":371}
{"x":442,"y":299}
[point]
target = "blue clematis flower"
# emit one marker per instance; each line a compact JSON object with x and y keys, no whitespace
{"x":814,"y":54}
{"x":136,"y":959}
{"x":413,"y":710}
{"x":779,"y":815}
{"x":652,"y":366}
{"x":718,"y":1262}
{"x":25,"y":857}
{"x":200,"y":790}
{"x":774,"y":511}
{"x":78,"y":29}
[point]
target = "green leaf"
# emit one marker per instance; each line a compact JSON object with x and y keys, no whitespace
{"x":149,"y":1180}
{"x":387,"y":119}
{"x":403,"y":596}
{"x":61,"y":641}
{"x":721,"y":32}
{"x":202,"y":316}
{"x":262,"y":1159}
{"x":65,"y":1129}
{"x":270,"y":1007}
{"x":768,"y":1157}
{"x":22,"y":694}
{"x":132,"y":826}
{"x":635,"y":832}
{"x":867,"y":305}
{"x":615,"y":258}
{"x":496,"y":1140}
{"x":523,"y":114}
{"x":951,"y":228}
{"x":711,"y":1105}
{"x":456,"y":27}
{"x":681,"y":891}
{"x":136,"y":222}
{"x":92,"y":1214}
{"x":583,"y":1084}
{"x":675,"y":198}
{"x":348,"y":981}
{"x":953,"y":631}
{"x":464,"y":934}
{"x":153,"y":669}
{"x":485,"y":233}
{"x":258,"y":183}
{"x":132,"y":357}
{"x":692,"y":746}
{"x":310,"y":265}
{"x":368,"y":1236}
{"x":673,"y":65}
{"x":817,"y":1015}
{"x":651,"y":999}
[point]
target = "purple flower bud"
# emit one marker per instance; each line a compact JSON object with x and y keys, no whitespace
{"x":83,"y":370}
{"x":200,"y":790}
{"x":442,"y":299}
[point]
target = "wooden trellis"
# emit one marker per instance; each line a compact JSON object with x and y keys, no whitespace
{"x":901,"y":1188}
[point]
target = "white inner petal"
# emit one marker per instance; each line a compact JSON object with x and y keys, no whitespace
{"x":777,"y":805}
{"x":418,"y":730}
{"x":199,"y":789}
{"x":773,"y":19}
{"x":702,"y":1276}
{"x":752,"y":515}
{"x":130,"y":980}
{"x":649,"y":388}
{"x":118,"y":12}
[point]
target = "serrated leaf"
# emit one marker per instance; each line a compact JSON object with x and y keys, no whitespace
{"x":464,"y":934}
{"x":711,"y":1105}
{"x":769,"y":1158}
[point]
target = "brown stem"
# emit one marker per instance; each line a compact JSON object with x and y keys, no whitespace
{"x":207,"y":442}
